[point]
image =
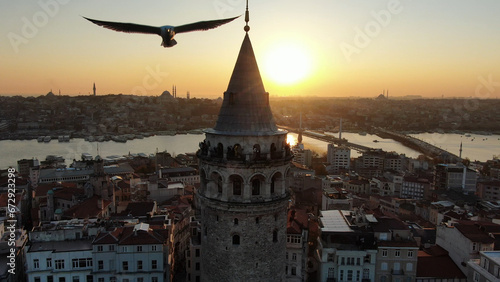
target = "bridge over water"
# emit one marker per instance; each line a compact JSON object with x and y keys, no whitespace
{"x":421,"y":146}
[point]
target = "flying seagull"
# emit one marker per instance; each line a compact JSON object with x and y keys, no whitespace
{"x":166,"y":32}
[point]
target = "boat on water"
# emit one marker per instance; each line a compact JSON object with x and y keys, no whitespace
{"x":40,"y":138}
{"x":47,"y":139}
{"x":63,"y":138}
{"x":86,"y":157}
{"x":120,"y":139}
{"x":362,"y":133}
{"x":376,"y":141}
{"x":90,"y":138}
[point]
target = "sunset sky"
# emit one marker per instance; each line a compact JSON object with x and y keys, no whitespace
{"x":333,"y":48}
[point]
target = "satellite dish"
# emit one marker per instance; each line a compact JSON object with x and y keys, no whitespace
{"x":116,"y":178}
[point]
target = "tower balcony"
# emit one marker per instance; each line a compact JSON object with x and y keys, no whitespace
{"x":245,"y":159}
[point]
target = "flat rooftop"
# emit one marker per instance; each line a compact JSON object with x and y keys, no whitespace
{"x":493,"y":255}
{"x":334,"y":221}
{"x":61,"y":246}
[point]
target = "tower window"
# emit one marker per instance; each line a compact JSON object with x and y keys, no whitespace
{"x":257,"y":220}
{"x":256,"y":187}
{"x":275,"y":236}
{"x":235,"y":221}
{"x":219,"y":185}
{"x":237,"y":187}
{"x":236,"y":239}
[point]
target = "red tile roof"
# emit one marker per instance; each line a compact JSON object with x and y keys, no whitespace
{"x":436,"y":263}
{"x":298,"y":219}
{"x":42,"y":189}
{"x":478,"y":231}
{"x":4,"y":198}
{"x":87,"y":209}
{"x":127,"y":236}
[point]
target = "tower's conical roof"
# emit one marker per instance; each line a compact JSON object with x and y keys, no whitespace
{"x":245,"y":109}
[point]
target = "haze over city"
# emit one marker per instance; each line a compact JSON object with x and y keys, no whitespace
{"x":328,"y":48}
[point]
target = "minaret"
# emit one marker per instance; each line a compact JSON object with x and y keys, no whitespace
{"x":340,"y":129}
{"x":243,"y":196}
{"x":94,"y":88}
{"x":299,"y":138}
{"x":460,"y":155}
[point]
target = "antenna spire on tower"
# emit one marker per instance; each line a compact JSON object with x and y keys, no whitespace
{"x":247,"y":19}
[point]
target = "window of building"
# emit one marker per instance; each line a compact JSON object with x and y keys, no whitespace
{"x":59,"y":263}
{"x":397,"y":253}
{"x":100,"y":248}
{"x":331,"y":272}
{"x":154,"y":279}
{"x":383,"y":278}
{"x":81,"y":263}
{"x":331,"y":257}
{"x":49,"y":262}
{"x":294,"y":256}
{"x":100,"y":264}
{"x":342,"y":261}
{"x":62,"y":279}
{"x":410,"y":254}
{"x":384,"y":252}
{"x":125,"y":265}
{"x":236,"y":239}
{"x":237,"y":187}
{"x":349,"y":275}
{"x":476,"y":277}
{"x":286,"y":255}
{"x":383,"y":266}
{"x":154,"y":264}
{"x":235,"y":221}
{"x":197,"y":253}
{"x":139,"y":265}
{"x":294,"y":270}
{"x":76,"y":278}
{"x":341,"y":276}
{"x":111,"y":247}
{"x":90,"y":278}
{"x":256,"y":187}
{"x":36,"y":263}
{"x":358,"y":261}
{"x":139,"y":248}
{"x":153,"y":248}
{"x":140,"y":279}
{"x":37,"y":279}
{"x":50,"y":278}
{"x":197,"y":266}
{"x":101,"y":279}
{"x":275,"y":236}
{"x":125,"y":249}
{"x":409,"y":266}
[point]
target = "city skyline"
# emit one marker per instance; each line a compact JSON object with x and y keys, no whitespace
{"x":341,"y":49}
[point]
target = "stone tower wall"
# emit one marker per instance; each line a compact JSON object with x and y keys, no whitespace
{"x":260,"y":254}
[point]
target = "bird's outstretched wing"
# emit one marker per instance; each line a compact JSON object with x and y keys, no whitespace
{"x":127,"y":27}
{"x":204,"y":25}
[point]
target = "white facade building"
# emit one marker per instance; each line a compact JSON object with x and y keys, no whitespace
{"x":131,"y":254}
{"x":338,"y":158}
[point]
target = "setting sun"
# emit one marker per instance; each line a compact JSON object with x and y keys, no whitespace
{"x":287,"y":63}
